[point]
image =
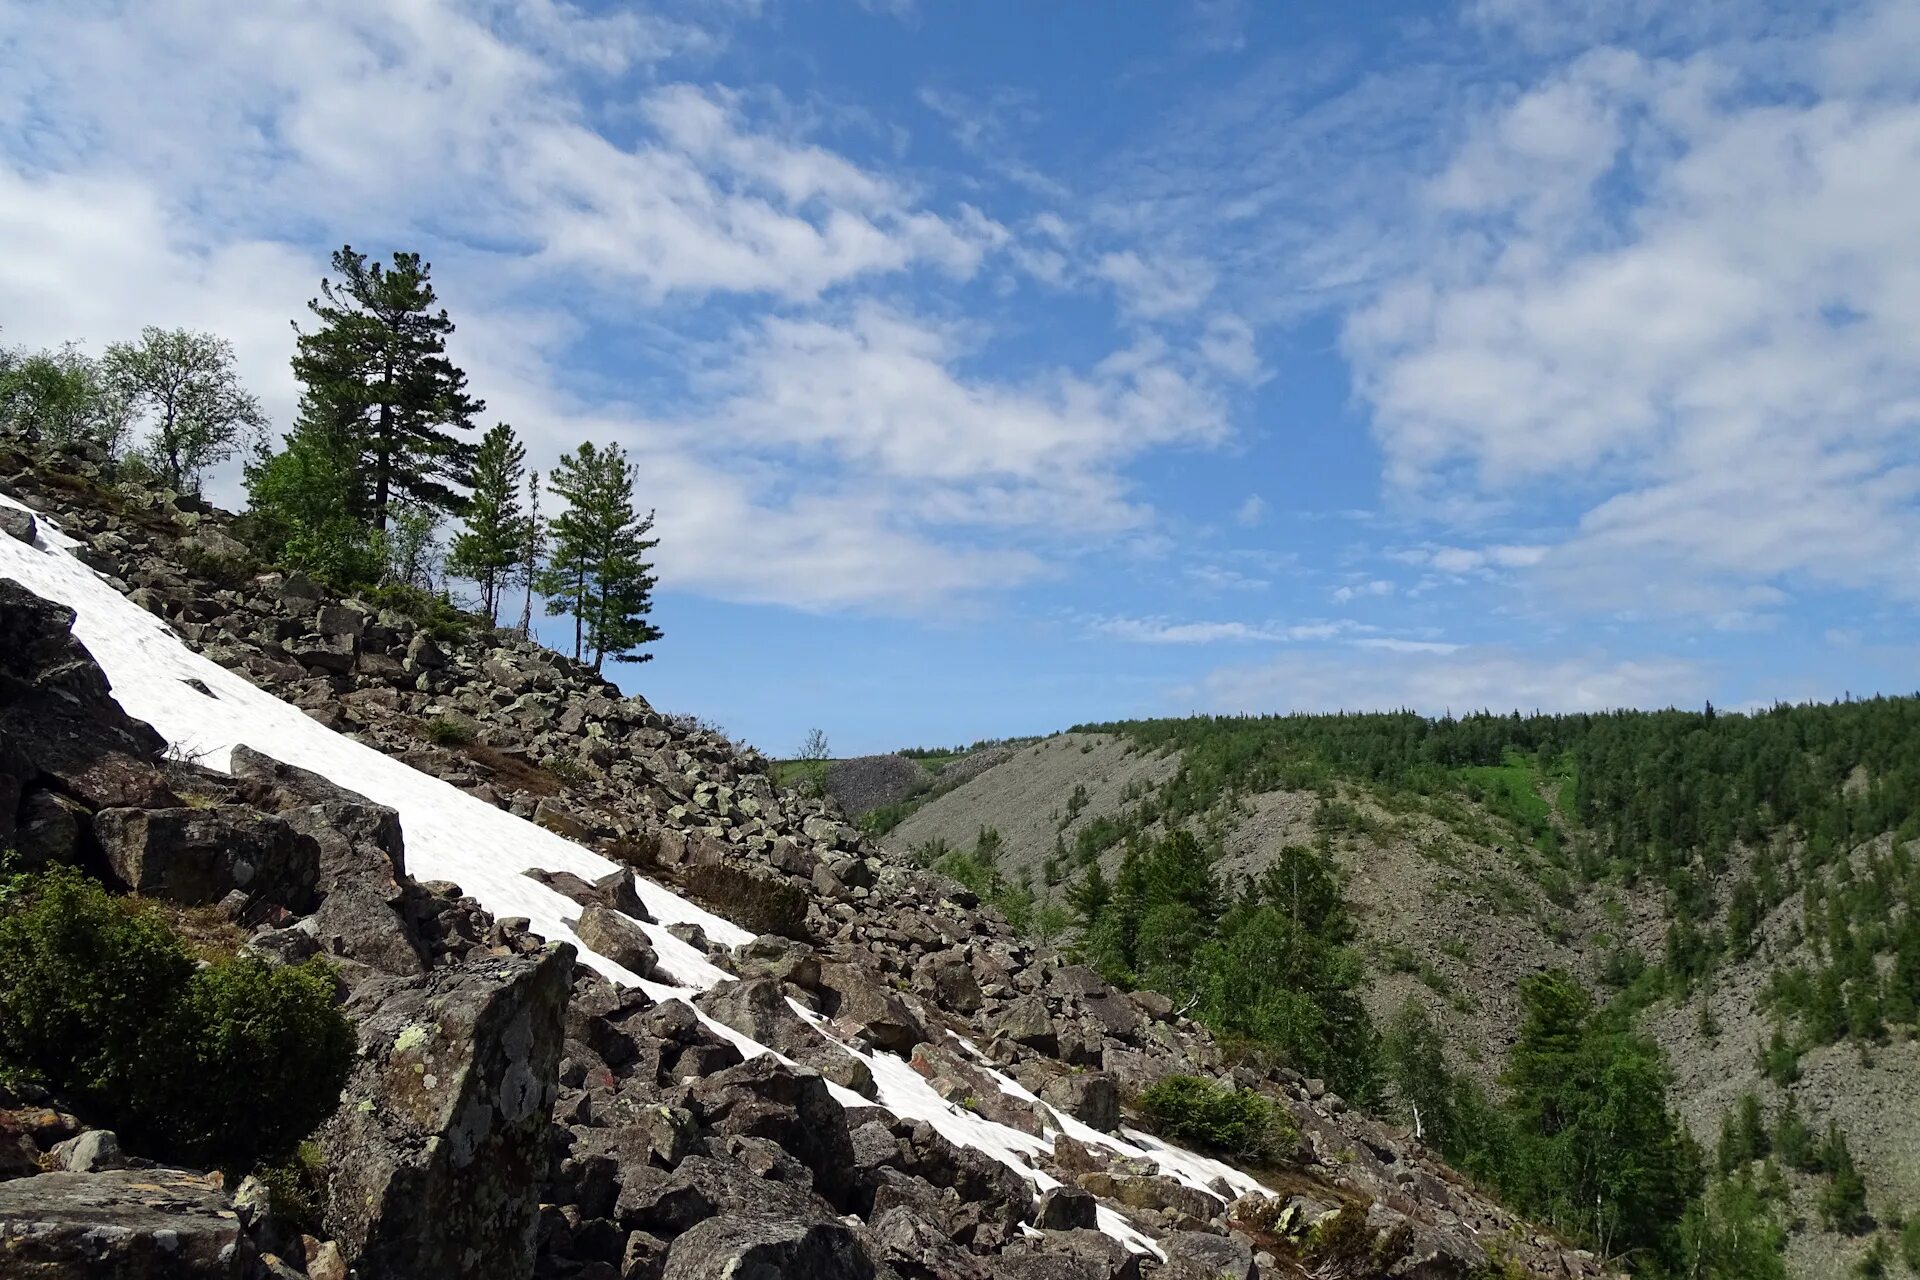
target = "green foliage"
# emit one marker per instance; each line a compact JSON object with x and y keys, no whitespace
{"x":495,"y":536}
{"x":1743,"y":1136}
{"x":299,"y":510}
{"x":377,"y":383}
{"x":61,"y":394}
{"x":599,"y":572}
{"x":1270,"y":964}
{"x":1843,"y":1201}
{"x":449,"y":731}
{"x":224,"y":1064}
{"x":1241,"y":1123}
{"x":1910,"y":1244}
{"x":184,"y":384}
{"x":1794,"y":1140}
{"x":1734,"y":1233}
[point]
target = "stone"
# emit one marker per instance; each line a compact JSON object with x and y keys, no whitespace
{"x":758,"y":1008}
{"x":18,"y":524}
{"x":436,"y":1155}
{"x":617,"y":938}
{"x":48,"y":830}
{"x":764,"y":1098}
{"x":1199,"y":1255}
{"x":949,"y":979}
{"x":1026,"y":1021}
{"x":122,"y":1224}
{"x":750,"y":1247}
{"x":1090,"y":1097}
{"x":197,"y":856}
{"x":562,"y":821}
{"x":861,"y":1007}
{"x":1066,"y":1208}
{"x":92,"y":1151}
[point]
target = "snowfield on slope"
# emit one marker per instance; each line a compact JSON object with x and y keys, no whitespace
{"x":451,"y":835}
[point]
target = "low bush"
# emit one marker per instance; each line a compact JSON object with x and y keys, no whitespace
{"x":1235,"y":1122}
{"x":449,"y":731}
{"x":225,"y":1064}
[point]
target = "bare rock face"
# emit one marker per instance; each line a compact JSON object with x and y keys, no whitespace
{"x":59,"y":724}
{"x":436,"y":1155}
{"x":123,"y":1224}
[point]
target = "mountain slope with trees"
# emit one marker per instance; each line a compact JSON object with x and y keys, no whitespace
{"x":1734,"y":895}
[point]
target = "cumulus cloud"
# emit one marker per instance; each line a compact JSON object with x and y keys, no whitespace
{"x":1678,"y":286}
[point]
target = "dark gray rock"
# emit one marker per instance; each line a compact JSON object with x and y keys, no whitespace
{"x":743,"y":1247}
{"x":1090,"y":1097}
{"x":436,"y":1155}
{"x":198,"y":856}
{"x":753,"y":897}
{"x":758,"y":1008}
{"x":128,"y":1224}
{"x":618,"y":939}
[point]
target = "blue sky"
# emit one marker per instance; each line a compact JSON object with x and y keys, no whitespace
{"x":998,"y":366}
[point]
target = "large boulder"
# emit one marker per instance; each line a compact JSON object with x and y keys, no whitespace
{"x":199,"y":856}
{"x":764,"y":1098}
{"x":438,"y":1151}
{"x":757,"y":1247}
{"x":759,"y":1009}
{"x":618,"y":938}
{"x":862,"y":1007}
{"x":59,"y":724}
{"x":124,"y":1224}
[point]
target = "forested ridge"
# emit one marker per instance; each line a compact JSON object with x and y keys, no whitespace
{"x":1781,"y":836}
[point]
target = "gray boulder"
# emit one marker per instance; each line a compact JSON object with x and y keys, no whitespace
{"x":747,"y":1247}
{"x":437,"y":1153}
{"x":126,"y":1224}
{"x":198,"y":856}
{"x":618,"y":939}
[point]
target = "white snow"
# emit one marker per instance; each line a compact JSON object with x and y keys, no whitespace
{"x":453,"y":836}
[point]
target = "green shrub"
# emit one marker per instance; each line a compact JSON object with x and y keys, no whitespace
{"x":225,"y":1064}
{"x":449,"y":731}
{"x":1235,"y":1122}
{"x":1910,"y":1244}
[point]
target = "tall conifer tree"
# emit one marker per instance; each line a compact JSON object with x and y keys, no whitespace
{"x":377,"y":379}
{"x":494,"y":539}
{"x":599,"y":572}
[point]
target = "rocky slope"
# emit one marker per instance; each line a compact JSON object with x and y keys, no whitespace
{"x":1451,"y":920}
{"x":514,"y":1112}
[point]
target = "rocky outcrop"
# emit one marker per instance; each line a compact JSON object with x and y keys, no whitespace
{"x":126,"y":1224}
{"x":864,"y":783}
{"x":436,"y":1156}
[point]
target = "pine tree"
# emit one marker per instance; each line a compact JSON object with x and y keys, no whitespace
{"x":186,"y":383}
{"x":599,"y":572}
{"x":533,"y":552}
{"x":377,"y":378}
{"x":494,"y":539}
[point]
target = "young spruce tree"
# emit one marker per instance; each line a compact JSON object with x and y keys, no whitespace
{"x":377,"y":378}
{"x":598,"y":571}
{"x":494,"y":539}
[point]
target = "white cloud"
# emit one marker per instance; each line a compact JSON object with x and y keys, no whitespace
{"x":1158,"y":287}
{"x":1358,"y":590}
{"x":1437,"y":680}
{"x":1250,"y":512}
{"x":1684,"y":286}
{"x":878,"y":389}
{"x":1213,"y":577}
{"x":1166,"y":631}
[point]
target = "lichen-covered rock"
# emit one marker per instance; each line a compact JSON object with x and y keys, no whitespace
{"x":753,"y":897}
{"x":436,"y":1155}
{"x":198,"y":856}
{"x":618,"y":939}
{"x":751,"y":1247}
{"x":125,"y":1224}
